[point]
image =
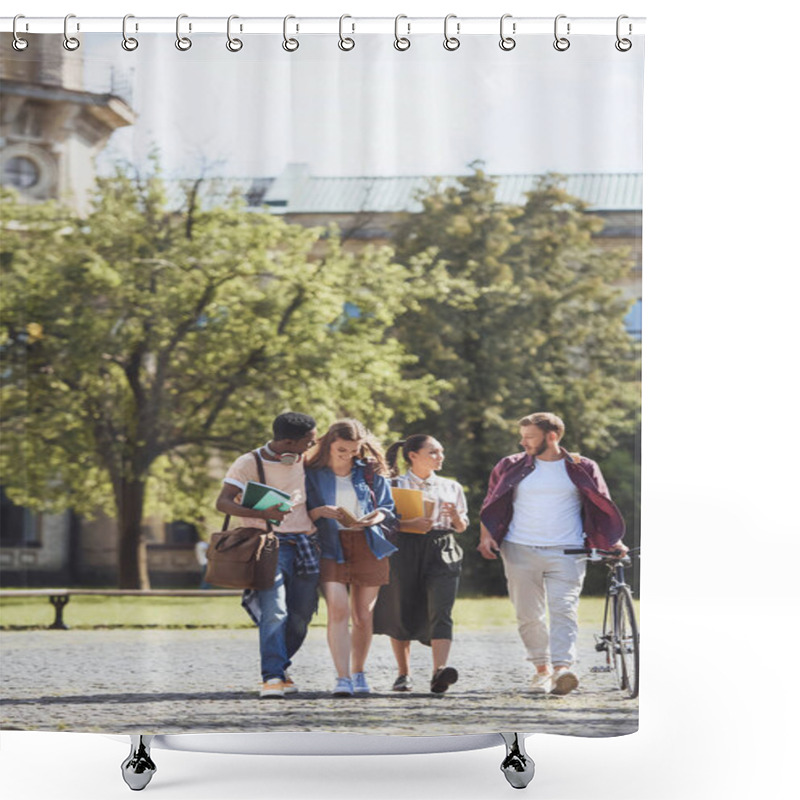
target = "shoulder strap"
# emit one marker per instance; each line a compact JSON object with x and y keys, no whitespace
{"x":369,"y":474}
{"x":369,"y":477}
{"x":259,"y":467}
{"x":261,"y":478}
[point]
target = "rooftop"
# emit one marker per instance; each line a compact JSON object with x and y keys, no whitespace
{"x":296,"y":191}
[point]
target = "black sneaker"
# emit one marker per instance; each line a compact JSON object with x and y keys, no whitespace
{"x":442,"y":678}
{"x":402,"y":684}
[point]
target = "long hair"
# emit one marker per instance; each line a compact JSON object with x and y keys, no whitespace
{"x":411,"y":445}
{"x":351,"y":430}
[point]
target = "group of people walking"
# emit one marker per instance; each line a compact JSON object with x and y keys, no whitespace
{"x":341,"y":535}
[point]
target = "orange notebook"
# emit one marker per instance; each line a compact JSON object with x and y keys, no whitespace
{"x":408,"y":504}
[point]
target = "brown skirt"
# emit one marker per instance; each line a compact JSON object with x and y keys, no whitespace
{"x":360,"y":567}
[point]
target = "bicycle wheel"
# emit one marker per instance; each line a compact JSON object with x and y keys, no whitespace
{"x":626,"y":643}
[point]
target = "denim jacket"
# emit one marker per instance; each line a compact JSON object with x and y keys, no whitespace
{"x":321,"y":491}
{"x":602,"y":522}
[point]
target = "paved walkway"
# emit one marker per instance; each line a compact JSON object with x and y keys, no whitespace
{"x":172,"y":681}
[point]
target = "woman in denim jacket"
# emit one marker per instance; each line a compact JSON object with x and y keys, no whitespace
{"x":348,"y":497}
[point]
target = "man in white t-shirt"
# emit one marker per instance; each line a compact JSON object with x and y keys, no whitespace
{"x":540,"y":503}
{"x":284,"y":611}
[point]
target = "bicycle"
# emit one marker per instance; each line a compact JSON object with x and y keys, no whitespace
{"x":619,"y":639}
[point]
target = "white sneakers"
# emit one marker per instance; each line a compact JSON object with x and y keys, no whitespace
{"x":559,"y":683}
{"x":541,"y":683}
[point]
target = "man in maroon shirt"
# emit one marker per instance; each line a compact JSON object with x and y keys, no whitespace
{"x":541,"y":502}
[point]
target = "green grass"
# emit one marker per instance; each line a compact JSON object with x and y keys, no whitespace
{"x":470,"y":613}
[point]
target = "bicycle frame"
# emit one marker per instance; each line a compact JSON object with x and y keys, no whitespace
{"x":619,"y":639}
{"x":603,"y":642}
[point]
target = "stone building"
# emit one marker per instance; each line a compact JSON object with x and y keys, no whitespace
{"x":52,"y":121}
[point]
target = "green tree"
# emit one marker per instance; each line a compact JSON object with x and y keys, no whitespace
{"x":527,"y":318}
{"x":141,"y":340}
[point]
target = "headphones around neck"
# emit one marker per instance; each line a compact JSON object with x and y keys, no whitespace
{"x":287,"y":459}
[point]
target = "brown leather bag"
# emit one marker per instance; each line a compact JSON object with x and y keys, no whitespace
{"x":243,"y":558}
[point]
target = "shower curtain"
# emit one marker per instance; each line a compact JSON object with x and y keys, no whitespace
{"x":204,"y":232}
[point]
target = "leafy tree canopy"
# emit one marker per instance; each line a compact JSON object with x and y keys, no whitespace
{"x":528,"y":318}
{"x":140,"y":340}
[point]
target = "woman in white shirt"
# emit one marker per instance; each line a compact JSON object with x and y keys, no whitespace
{"x":418,"y":602}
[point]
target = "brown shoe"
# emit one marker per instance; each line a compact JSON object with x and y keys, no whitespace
{"x":442,"y":678}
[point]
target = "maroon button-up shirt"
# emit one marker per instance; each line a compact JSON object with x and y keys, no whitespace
{"x":602,"y":522}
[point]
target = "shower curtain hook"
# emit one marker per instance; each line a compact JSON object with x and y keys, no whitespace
{"x":451,"y":42}
{"x":345,"y":42}
{"x":128,"y":42}
{"x":561,"y":43}
{"x":183,"y":43}
{"x":289,"y":45}
{"x":234,"y":45}
{"x":401,"y":42}
{"x":18,"y":43}
{"x":623,"y":45}
{"x":507,"y":42}
{"x":70,"y":42}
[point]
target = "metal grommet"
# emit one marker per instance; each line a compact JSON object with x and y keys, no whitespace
{"x":18,"y":43}
{"x":561,"y":43}
{"x":70,"y":42}
{"x":128,"y":42}
{"x":183,"y":43}
{"x":345,"y":42}
{"x":451,"y":42}
{"x":507,"y":42}
{"x":234,"y":45}
{"x":401,"y":42}
{"x":623,"y":45}
{"x":289,"y":45}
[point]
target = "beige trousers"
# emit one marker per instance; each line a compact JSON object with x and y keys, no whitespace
{"x":542,"y":580}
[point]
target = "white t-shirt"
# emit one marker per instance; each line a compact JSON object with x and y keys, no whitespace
{"x":289,"y":478}
{"x":346,"y":497}
{"x":547,"y":508}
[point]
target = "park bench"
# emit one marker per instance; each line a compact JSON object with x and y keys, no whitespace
{"x":60,"y":597}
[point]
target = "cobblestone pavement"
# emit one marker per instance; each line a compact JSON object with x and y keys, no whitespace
{"x":206,"y":680}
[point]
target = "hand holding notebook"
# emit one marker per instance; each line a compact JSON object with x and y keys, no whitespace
{"x":349,"y":521}
{"x":261,"y":496}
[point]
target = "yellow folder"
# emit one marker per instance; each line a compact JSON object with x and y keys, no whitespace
{"x":408,"y":505}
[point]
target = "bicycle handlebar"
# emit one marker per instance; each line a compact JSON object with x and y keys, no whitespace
{"x":596,"y":554}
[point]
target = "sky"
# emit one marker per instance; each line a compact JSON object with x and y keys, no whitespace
{"x":376,"y":111}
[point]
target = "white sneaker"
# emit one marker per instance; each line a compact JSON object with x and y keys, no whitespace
{"x":289,"y":686}
{"x":564,"y":681}
{"x":541,"y":683}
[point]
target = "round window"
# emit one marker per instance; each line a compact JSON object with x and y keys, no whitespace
{"x":21,"y":172}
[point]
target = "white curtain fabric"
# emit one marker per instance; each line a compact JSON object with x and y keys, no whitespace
{"x":317,"y":136}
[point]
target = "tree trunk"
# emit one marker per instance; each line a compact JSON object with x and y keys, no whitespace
{"x":132,"y":564}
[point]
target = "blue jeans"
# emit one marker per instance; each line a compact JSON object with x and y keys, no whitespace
{"x":286,"y":610}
